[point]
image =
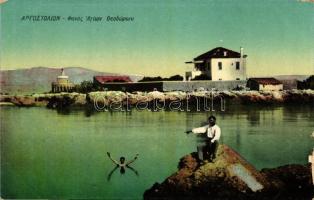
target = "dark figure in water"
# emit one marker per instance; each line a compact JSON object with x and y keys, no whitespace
{"x":122,"y":164}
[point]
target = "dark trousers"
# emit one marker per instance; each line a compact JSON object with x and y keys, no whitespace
{"x":207,"y":150}
{"x":213,"y":149}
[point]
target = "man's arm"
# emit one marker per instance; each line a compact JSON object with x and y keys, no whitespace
{"x":202,"y":129}
{"x":217,"y":135}
{"x":129,"y":162}
{"x":114,"y":161}
{"x":198,"y":130}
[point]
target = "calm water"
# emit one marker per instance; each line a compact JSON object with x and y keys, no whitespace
{"x":45,"y":154}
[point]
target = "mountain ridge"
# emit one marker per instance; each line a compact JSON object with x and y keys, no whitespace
{"x":39,"y":79}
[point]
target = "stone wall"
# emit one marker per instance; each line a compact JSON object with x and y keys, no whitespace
{"x":289,"y":84}
{"x":186,"y":86}
{"x":132,"y":87}
{"x":196,"y":85}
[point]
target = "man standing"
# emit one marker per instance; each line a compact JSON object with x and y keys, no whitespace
{"x":213,"y":133}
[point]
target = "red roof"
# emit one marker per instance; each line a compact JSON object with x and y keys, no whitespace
{"x":104,"y":79}
{"x":266,"y":81}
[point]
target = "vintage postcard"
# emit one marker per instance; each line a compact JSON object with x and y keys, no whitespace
{"x":180,"y":99}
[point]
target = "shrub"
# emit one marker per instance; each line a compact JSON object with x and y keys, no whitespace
{"x":85,"y":87}
{"x":201,"y":77}
{"x":158,"y":78}
{"x":148,"y":79}
{"x":175,"y":78}
{"x":307,"y":84}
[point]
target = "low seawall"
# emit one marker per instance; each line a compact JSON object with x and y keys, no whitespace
{"x":166,"y":86}
{"x":132,"y":87}
{"x":189,"y":86}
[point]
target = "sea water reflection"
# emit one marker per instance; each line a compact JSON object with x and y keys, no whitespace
{"x":48,"y":154}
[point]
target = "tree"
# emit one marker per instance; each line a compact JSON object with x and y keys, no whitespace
{"x":176,"y":78}
{"x":148,"y":79}
{"x":85,"y":87}
{"x":158,"y":78}
{"x":307,"y":84}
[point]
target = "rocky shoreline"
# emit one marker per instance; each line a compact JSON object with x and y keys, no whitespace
{"x":232,"y":177}
{"x":108,"y":98}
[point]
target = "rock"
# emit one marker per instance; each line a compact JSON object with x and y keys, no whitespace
{"x":23,"y":100}
{"x":296,"y":180}
{"x":174,"y":96}
{"x":118,"y":97}
{"x":230,"y":177}
{"x":79,"y":99}
{"x":156,"y":95}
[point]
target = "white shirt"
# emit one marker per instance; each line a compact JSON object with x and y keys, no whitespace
{"x":213,"y":132}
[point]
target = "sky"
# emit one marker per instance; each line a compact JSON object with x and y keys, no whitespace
{"x":277,"y":35}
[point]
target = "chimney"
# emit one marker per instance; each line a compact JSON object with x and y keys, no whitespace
{"x":241,"y":52}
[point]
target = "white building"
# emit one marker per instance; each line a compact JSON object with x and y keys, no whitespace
{"x":264,"y":84}
{"x":63,"y":84}
{"x":219,"y":64}
{"x":311,"y":160}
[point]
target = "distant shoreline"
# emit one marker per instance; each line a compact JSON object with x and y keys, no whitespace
{"x":176,"y":100}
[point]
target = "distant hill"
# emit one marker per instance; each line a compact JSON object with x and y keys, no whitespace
{"x":38,"y":79}
{"x":291,"y":77}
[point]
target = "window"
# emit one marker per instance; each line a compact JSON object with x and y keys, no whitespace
{"x":219,"y":66}
{"x":237,"y":65}
{"x":220,"y":79}
{"x":237,"y":79}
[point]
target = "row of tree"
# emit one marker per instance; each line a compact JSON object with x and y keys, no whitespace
{"x":306,"y":84}
{"x":158,"y":78}
{"x":86,"y":86}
